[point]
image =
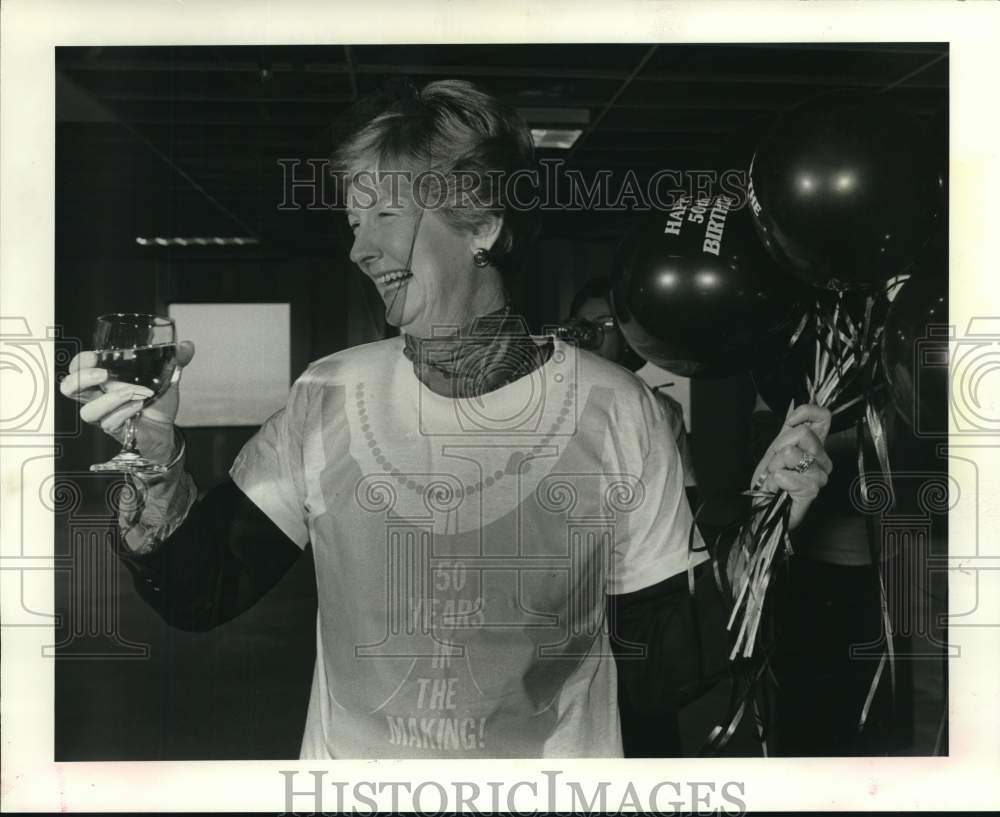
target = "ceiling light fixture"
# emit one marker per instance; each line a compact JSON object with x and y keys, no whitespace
{"x":559,"y":138}
{"x":198,"y":241}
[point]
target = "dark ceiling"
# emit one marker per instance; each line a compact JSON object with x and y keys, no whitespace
{"x":168,"y":141}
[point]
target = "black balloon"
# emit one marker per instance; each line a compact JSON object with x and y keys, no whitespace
{"x":696,"y":294}
{"x":845,"y":189}
{"x":781,"y":379}
{"x":915,"y":352}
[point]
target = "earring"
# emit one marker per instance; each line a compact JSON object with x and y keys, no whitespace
{"x":481,"y":257}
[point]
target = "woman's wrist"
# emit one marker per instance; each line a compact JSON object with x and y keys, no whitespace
{"x":149,"y":513}
{"x":159,"y":441}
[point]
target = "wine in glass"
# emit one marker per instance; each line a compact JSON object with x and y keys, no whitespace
{"x":139,"y":349}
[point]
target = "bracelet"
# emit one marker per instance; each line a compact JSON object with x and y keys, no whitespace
{"x":158,"y":475}
{"x":179,"y":438}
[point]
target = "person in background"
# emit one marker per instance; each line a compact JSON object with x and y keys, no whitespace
{"x":826,"y":603}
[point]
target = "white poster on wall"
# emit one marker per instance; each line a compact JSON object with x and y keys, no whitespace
{"x":241,"y":370}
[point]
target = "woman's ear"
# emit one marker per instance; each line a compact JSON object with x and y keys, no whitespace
{"x":487,"y":233}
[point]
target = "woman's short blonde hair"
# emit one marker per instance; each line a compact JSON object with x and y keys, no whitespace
{"x":478,"y":150}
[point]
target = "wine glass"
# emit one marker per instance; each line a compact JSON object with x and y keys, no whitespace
{"x":140,"y":349}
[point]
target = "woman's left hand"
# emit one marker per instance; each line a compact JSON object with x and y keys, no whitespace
{"x":796,"y":460}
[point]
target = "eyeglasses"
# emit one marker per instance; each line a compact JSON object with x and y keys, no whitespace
{"x":587,"y":333}
{"x":604,"y":321}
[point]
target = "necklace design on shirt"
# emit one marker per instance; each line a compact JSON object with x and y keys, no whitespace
{"x":492,"y":352}
{"x":519,"y":461}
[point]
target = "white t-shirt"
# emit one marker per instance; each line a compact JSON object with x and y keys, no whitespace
{"x":464,"y":547}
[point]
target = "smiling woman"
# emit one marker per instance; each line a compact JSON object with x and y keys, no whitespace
{"x":472,"y":494}
{"x":428,"y":202}
{"x":424,"y":267}
{"x":463,"y":147}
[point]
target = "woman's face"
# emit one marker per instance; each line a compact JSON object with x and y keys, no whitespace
{"x":421,"y":265}
{"x":597,"y":310}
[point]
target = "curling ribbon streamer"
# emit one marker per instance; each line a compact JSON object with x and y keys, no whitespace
{"x":872,"y":427}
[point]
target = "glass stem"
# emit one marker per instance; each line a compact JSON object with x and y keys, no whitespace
{"x":128,"y":445}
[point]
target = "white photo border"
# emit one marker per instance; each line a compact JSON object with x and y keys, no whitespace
{"x":30,"y":31}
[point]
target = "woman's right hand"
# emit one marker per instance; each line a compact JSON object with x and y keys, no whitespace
{"x":109,"y":409}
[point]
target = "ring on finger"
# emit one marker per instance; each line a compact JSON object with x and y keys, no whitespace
{"x":803,"y":464}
